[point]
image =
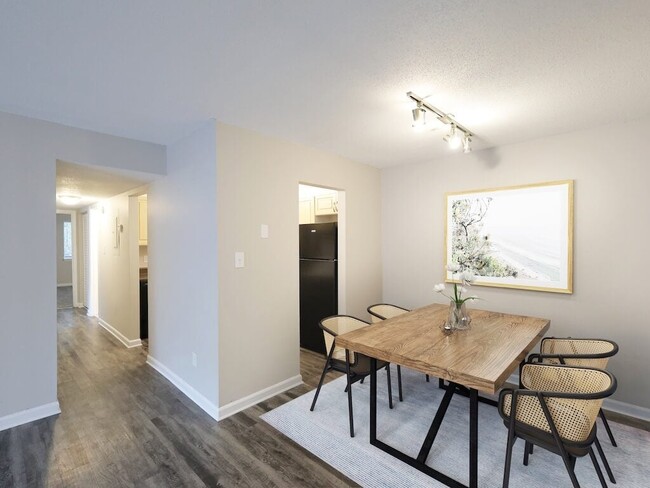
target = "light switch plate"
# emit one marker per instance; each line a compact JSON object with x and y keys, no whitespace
{"x":264,"y":231}
{"x":239,"y":259}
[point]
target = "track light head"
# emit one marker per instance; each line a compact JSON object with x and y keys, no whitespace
{"x":466,"y":144}
{"x":453,"y":138}
{"x":419,"y":120}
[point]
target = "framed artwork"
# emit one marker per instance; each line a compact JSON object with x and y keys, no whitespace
{"x":515,"y":237}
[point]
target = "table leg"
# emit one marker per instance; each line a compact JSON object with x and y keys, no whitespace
{"x":373,"y":400}
{"x":473,"y":438}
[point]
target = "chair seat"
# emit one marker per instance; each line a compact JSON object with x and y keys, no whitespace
{"x":360,"y":368}
{"x":545,"y":440}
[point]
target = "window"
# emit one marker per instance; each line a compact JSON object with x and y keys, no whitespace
{"x":67,"y":240}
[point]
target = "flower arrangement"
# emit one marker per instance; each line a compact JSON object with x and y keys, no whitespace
{"x":458,"y":317}
{"x":466,"y":277}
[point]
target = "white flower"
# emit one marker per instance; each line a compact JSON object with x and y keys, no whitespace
{"x":439,"y":288}
{"x":462,"y":289}
{"x":454,"y":267}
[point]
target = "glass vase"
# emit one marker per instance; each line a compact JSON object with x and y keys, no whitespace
{"x":458,"y":318}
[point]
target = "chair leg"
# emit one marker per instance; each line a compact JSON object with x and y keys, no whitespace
{"x":322,"y":377}
{"x":506,"y":467}
{"x":605,"y":463}
{"x":441,"y":383}
{"x":526,"y":452}
{"x":609,"y":431}
{"x":427,"y":377}
{"x":399,"y":382}
{"x":597,"y":467}
{"x":347,"y":370}
{"x":390,"y":390}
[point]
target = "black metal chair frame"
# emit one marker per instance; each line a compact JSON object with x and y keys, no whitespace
{"x":552,"y":442}
{"x":539,"y":358}
{"x":348,"y":368}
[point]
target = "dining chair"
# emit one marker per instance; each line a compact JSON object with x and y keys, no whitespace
{"x":591,"y":353}
{"x":556,"y":410}
{"x":338,"y":359}
{"x":383,"y":311}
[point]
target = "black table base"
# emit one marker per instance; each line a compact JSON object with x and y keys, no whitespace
{"x":419,"y":462}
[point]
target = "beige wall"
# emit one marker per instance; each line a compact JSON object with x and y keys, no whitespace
{"x":63,"y":266}
{"x":258,"y":180}
{"x":612,"y":230}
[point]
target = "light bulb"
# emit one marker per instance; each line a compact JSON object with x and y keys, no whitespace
{"x":453,"y":138}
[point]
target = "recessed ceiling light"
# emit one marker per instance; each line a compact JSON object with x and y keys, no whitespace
{"x":68,"y":199}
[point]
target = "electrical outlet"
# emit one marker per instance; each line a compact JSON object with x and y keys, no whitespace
{"x":239,"y":259}
{"x":195,"y":360}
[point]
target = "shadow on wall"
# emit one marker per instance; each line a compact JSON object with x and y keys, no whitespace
{"x":490,"y":157}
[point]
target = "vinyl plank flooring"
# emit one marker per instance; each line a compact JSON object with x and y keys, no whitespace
{"x":124,"y":425}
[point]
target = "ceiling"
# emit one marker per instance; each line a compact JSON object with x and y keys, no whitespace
{"x":331,"y":74}
{"x":92,"y":183}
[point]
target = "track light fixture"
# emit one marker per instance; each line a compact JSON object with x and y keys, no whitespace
{"x":458,"y":135}
{"x":419,"y":114}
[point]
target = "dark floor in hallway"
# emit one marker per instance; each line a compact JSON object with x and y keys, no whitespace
{"x":122,"y":425}
{"x":63,"y":297}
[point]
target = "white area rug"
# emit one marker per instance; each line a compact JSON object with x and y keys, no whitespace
{"x":325,"y":433}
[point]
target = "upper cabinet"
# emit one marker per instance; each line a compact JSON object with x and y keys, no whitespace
{"x":326,"y":204}
{"x":142,"y":207}
{"x":306,"y":211}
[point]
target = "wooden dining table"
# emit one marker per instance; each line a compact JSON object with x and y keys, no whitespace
{"x":479,"y":359}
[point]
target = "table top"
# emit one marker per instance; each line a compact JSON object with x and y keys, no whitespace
{"x":482,"y":357}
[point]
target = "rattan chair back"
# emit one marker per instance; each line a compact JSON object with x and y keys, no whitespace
{"x":336,"y":325}
{"x":573,"y":396}
{"x":591,"y":353}
{"x":383,"y":311}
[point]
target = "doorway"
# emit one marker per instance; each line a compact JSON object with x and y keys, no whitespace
{"x":66,"y":259}
{"x":321,"y":229}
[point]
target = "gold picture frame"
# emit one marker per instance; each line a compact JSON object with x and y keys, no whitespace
{"x":513,"y":237}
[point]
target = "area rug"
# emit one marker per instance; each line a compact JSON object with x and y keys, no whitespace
{"x":324,"y":432}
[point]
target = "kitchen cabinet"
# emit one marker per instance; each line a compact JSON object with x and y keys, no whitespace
{"x":306,"y":211}
{"x":326,"y":204}
{"x":142,"y":214}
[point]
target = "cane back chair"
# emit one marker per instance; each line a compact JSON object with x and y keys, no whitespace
{"x":556,"y":410}
{"x":356,"y":366}
{"x":590,"y":353}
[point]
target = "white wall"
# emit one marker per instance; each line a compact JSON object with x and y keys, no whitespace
{"x":63,"y":266}
{"x":28,"y":152}
{"x":611,"y":234}
{"x":183,"y":268}
{"x":258,"y":179}
{"x":117,"y":269}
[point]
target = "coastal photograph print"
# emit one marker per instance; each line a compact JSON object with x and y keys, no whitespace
{"x":515,"y":237}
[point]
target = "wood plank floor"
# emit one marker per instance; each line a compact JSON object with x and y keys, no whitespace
{"x":125,"y":425}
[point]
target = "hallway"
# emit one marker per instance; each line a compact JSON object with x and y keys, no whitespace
{"x":122,"y":424}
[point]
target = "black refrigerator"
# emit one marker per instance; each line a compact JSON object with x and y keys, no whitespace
{"x":318,"y":281}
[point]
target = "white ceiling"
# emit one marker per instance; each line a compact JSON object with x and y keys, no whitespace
{"x":330,"y":74}
{"x":92,"y":183}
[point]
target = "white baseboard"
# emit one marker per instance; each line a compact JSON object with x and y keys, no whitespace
{"x":259,"y":396}
{"x":118,"y":335}
{"x":59,"y":285}
{"x":634,"y":411}
{"x":210,"y":408}
{"x":29,"y":415}
{"x":78,"y":305}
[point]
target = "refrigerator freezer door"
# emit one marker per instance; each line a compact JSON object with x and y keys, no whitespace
{"x":318,"y":241}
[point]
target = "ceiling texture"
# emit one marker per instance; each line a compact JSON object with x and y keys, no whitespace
{"x":328,"y":74}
